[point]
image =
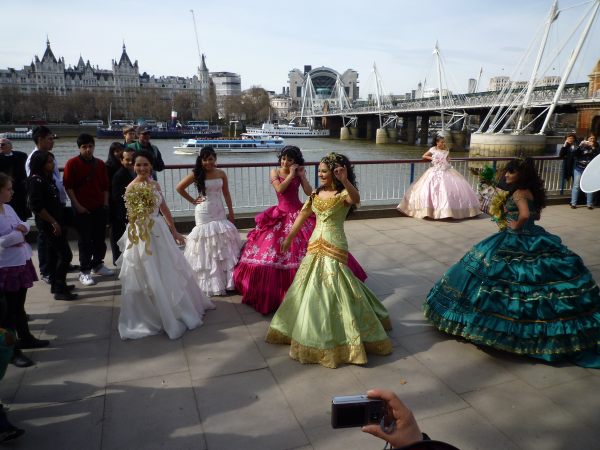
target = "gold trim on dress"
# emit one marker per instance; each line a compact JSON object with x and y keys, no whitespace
{"x":330,"y":357}
{"x":320,"y":247}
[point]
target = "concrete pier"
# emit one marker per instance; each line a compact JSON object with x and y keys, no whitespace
{"x":505,"y":145}
{"x":411,"y":130}
{"x":459,"y":140}
{"x":348,"y":133}
{"x":386,"y":135}
{"x":424,"y":133}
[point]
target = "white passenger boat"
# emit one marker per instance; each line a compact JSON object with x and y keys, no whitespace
{"x":19,"y":133}
{"x":247,"y":143}
{"x":291,"y":130}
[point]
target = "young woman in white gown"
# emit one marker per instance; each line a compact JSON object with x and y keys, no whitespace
{"x":441,"y":192}
{"x":159,"y":291}
{"x":213,"y":246}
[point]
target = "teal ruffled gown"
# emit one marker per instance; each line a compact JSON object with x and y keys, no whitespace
{"x":328,"y":316}
{"x":522,"y":292}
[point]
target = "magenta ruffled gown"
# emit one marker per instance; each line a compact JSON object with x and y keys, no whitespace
{"x":264,"y":274}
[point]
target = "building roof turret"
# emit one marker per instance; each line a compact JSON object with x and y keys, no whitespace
{"x":48,"y":55}
{"x":125,"y":58}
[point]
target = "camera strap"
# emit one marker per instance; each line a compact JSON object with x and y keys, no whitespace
{"x":387,"y":429}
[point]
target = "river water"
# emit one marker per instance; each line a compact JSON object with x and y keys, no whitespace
{"x":312,"y":149}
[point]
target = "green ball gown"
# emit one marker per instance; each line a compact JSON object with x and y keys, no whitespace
{"x":328,"y":316}
{"x":523,"y":292}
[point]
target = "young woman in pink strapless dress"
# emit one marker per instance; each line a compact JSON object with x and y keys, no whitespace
{"x":264,"y":273}
{"x":441,"y":192}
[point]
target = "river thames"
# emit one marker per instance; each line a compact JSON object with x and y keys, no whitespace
{"x":312,"y":149}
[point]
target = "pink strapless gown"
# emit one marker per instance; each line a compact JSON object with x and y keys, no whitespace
{"x":264,"y":274}
{"x":440,"y":193}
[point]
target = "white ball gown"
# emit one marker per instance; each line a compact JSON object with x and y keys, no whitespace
{"x":159,"y":290}
{"x":213,"y":246}
{"x":440,"y":193}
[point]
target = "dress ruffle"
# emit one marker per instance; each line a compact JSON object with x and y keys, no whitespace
{"x":212,"y":250}
{"x":13,"y":279}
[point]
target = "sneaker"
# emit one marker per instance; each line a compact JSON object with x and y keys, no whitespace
{"x":46,"y":279}
{"x":103,"y":270}
{"x":86,"y":279}
{"x":573,"y":207}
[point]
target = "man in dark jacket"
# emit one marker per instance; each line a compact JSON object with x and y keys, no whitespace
{"x":12,"y":163}
{"x":143,"y":143}
{"x":583,"y":155}
{"x":566,"y":152}
{"x":121,"y":180}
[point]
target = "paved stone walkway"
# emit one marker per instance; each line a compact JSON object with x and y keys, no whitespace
{"x":222,"y":387}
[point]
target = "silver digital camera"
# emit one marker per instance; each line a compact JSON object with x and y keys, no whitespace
{"x":356,"y":411}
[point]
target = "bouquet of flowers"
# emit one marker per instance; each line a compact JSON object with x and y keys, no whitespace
{"x":497,"y":210}
{"x":140,"y":202}
{"x":491,"y":198}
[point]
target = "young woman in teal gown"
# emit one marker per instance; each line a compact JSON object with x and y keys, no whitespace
{"x":328,"y":316}
{"x":520,"y":290}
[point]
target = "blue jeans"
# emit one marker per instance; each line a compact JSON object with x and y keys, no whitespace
{"x":575,"y":190}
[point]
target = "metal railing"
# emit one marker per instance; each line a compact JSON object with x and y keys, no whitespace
{"x":381,"y":183}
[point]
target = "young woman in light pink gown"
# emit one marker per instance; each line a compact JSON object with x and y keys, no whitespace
{"x":441,"y":192}
{"x":264,"y":273}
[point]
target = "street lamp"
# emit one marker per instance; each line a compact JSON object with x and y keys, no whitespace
{"x":234,"y":122}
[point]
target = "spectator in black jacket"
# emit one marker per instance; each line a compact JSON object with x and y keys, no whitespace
{"x":582,"y":155}
{"x":118,"y":215}
{"x":44,"y":201}
{"x":12,"y":163}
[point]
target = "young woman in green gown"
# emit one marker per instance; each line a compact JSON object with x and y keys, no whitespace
{"x":520,"y":290}
{"x":328,"y":316}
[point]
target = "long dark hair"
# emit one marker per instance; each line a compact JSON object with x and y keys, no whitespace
{"x":527,"y":178}
{"x":199,"y":173}
{"x":292,"y":152}
{"x":337,"y":159}
{"x":111,"y":159}
{"x":38,"y":161}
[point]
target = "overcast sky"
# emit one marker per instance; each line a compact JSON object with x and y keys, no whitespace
{"x":263,"y":40}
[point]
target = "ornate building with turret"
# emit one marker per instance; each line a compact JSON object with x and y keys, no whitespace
{"x":123,"y":80}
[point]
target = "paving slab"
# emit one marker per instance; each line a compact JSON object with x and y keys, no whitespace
{"x":70,"y":425}
{"x":247,"y":410}
{"x":133,"y":419}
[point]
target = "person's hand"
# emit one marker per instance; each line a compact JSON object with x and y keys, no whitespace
{"x":22,"y":228}
{"x":286,"y":244}
{"x":406,"y":431}
{"x":179,"y":239}
{"x":341,"y":173}
{"x":81,"y":209}
{"x":56,"y":230}
{"x":199,"y":199}
{"x":293,"y":169}
{"x":301,"y":172}
{"x":512,"y":224}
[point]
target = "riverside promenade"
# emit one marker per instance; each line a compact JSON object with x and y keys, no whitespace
{"x":222,"y":387}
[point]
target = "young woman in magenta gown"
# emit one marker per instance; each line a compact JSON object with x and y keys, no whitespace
{"x":265,"y":272}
